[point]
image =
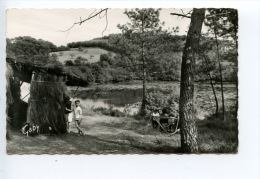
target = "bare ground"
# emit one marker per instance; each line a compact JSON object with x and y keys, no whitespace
{"x":103,"y":135}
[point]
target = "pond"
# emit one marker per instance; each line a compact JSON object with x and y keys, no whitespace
{"x":91,"y":99}
{"x":117,"y":97}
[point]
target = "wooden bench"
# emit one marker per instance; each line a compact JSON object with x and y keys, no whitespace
{"x":166,"y":123}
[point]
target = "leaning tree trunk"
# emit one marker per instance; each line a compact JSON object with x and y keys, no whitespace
{"x":186,"y":112}
{"x":47,"y":103}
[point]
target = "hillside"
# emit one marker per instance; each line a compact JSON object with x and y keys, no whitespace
{"x":92,"y":54}
{"x":114,"y":58}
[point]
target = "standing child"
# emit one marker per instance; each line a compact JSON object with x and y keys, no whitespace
{"x":155,"y":117}
{"x":77,"y":116}
{"x":69,"y":114}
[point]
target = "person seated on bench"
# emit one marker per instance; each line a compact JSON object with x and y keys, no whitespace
{"x":155,"y":116}
{"x":164,"y":117}
{"x":165,"y":112}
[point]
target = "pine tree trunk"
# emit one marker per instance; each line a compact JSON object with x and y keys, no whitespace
{"x":186,"y":111}
{"x":144,"y":84}
{"x":143,"y":107}
{"x":221,"y":78}
{"x":237,"y":73}
{"x":214,"y":93}
{"x":211,"y":83}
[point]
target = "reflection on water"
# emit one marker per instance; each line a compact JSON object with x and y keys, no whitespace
{"x":118,"y":99}
{"x":95,"y":98}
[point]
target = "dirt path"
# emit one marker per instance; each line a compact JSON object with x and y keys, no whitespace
{"x":104,"y":135}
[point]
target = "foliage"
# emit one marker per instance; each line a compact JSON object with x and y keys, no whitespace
{"x":92,"y":43}
{"x":53,"y":57}
{"x":79,"y":61}
{"x":106,"y":58}
{"x":228,"y":55}
{"x":163,"y":57}
{"x":69,"y":63}
{"x":224,"y":20}
{"x":60,"y":49}
{"x":80,"y":48}
{"x":32,"y":51}
{"x":161,"y":101}
{"x":166,"y":58}
{"x":109,"y":112}
{"x":144,"y":24}
{"x":87,"y":74}
{"x":28,"y":46}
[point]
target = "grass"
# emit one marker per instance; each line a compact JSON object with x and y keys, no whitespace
{"x":126,"y":135}
{"x":218,"y":136}
{"x":135,"y":135}
{"x":92,"y":54}
{"x":109,"y":112}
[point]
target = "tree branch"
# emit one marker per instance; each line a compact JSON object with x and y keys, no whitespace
{"x":182,"y":15}
{"x":106,"y":24}
{"x":82,"y":21}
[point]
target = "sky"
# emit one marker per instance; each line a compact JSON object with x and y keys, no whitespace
{"x":47,"y":24}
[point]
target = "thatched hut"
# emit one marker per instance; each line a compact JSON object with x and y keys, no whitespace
{"x":48,"y":95}
{"x":9,"y":99}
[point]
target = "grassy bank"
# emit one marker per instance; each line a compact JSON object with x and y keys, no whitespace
{"x":137,"y":84}
{"x":127,"y":135}
{"x":113,"y":133}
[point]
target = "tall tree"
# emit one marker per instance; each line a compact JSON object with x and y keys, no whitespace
{"x":144,"y":23}
{"x":223,"y":23}
{"x":205,"y":68}
{"x":186,"y":111}
{"x":220,"y":73}
{"x":207,"y":65}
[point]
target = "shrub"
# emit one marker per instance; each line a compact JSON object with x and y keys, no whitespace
{"x":116,"y":113}
{"x":158,"y":100}
{"x":109,"y":112}
{"x":80,"y":61}
{"x":69,"y":63}
{"x":80,"y":48}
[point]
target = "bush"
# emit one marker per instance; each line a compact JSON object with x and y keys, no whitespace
{"x":69,"y":63}
{"x":80,"y":61}
{"x":80,"y":49}
{"x":158,"y":100}
{"x":109,"y":112}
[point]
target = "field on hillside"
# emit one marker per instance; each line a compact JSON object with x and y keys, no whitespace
{"x":92,"y":54}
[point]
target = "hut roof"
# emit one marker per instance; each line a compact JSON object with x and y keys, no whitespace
{"x":24,"y":71}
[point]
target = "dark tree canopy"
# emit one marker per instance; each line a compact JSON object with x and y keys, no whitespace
{"x":224,"y":20}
